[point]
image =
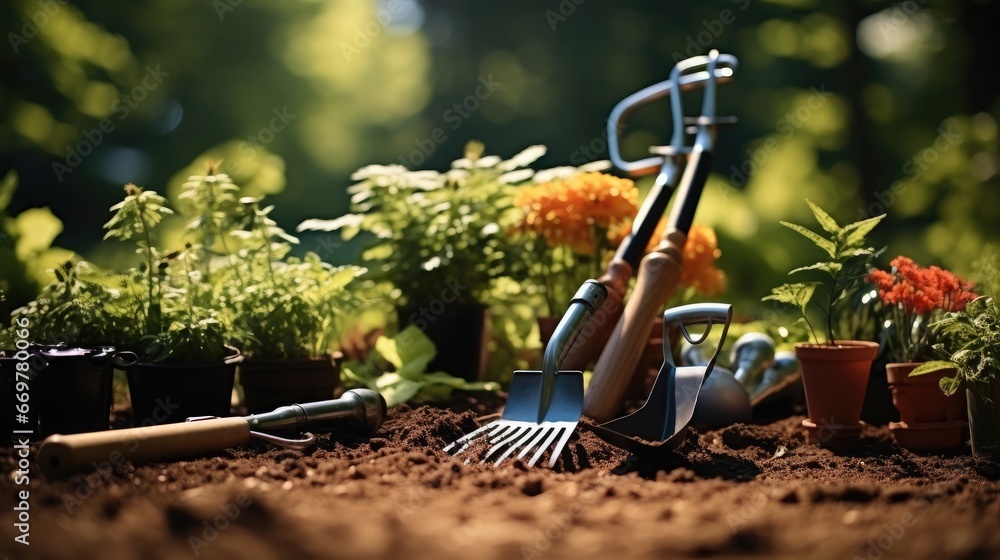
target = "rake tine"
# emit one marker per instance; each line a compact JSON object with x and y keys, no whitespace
{"x":466,"y":439}
{"x":535,"y":441}
{"x":530,"y":434}
{"x":557,"y":450}
{"x":545,"y":445}
{"x":521,"y":430}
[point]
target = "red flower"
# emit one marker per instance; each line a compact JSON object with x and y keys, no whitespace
{"x":919,"y":290}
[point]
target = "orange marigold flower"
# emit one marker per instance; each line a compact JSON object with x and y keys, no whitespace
{"x":568,"y":211}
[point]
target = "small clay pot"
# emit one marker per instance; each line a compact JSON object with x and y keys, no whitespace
{"x":919,"y":399}
{"x":835,"y":377}
{"x":268,"y":384}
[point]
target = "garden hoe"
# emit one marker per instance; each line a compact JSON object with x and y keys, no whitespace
{"x":671,"y":403}
{"x":667,"y":164}
{"x":62,"y":455}
{"x":660,"y":270}
{"x":543,"y":407}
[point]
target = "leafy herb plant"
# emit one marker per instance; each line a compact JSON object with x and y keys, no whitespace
{"x":397,"y":368}
{"x":429,"y":229}
{"x":830,"y":282}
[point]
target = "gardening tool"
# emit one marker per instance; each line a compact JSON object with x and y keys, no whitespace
{"x":668,"y":164}
{"x":722,"y":401}
{"x":63,"y":455}
{"x":751,"y":355}
{"x":660,"y":270}
{"x":671,"y":403}
{"x":784,"y":371}
{"x":542,"y":405}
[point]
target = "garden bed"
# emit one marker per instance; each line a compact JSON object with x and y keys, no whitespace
{"x":747,"y":490}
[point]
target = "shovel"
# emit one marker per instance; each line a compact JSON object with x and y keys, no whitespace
{"x":667,"y":164}
{"x":661,"y":421}
{"x":543,"y":407}
{"x":659,"y":271}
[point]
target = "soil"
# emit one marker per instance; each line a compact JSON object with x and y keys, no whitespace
{"x":748,"y":490}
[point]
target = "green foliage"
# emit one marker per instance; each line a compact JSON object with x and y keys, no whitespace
{"x":289,"y":307}
{"x":971,"y":343}
{"x":397,"y":368}
{"x":838,"y":278}
{"x":78,"y":307}
{"x":429,"y":228}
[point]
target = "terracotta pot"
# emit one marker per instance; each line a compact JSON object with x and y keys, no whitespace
{"x":919,"y":399}
{"x":461,"y":332}
{"x":164,"y":393}
{"x":835,"y":377}
{"x":929,"y":420}
{"x":984,"y":417}
{"x":268,"y":384}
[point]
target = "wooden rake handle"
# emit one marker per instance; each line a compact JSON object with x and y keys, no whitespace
{"x":62,"y":455}
{"x":659,"y":273}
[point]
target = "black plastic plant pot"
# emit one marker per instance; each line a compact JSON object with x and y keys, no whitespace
{"x":461,"y":332}
{"x":164,"y":393}
{"x":8,"y":399}
{"x":70,"y":389}
{"x":268,"y":384}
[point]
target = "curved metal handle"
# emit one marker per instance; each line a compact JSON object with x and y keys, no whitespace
{"x":695,"y":314}
{"x":307,"y":441}
{"x":616,"y":121}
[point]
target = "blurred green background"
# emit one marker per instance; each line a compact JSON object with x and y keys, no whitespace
{"x":862,"y":106}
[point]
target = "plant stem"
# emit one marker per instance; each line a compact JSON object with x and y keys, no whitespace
{"x":147,"y":234}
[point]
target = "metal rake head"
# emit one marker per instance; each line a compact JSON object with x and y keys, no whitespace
{"x":519,"y":431}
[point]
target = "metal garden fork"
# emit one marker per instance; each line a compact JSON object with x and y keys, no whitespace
{"x":543,"y":407}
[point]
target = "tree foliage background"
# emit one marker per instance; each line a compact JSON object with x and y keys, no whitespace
{"x":863,"y":106}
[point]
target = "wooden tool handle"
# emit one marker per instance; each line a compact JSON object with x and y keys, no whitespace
{"x":659,"y":273}
{"x":588,"y":345}
{"x":62,"y":455}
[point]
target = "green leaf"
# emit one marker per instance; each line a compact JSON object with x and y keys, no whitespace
{"x":396,"y":389}
{"x":415,"y":351}
{"x":931,"y":367}
{"x":798,"y":294}
{"x":817,"y":239}
{"x":857,"y":231}
{"x":7,"y":187}
{"x":825,"y":220}
{"x":949,"y":385}
{"x":831,"y":268}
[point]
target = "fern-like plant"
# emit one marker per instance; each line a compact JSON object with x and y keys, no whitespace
{"x":828,"y":283}
{"x":178,"y":316}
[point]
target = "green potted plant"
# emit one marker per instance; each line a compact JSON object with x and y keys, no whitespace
{"x":970,"y":341}
{"x":441,"y":240}
{"x":291,"y":309}
{"x":70,"y":327}
{"x":168,"y":312}
{"x":834,"y":372}
{"x":914,"y":297}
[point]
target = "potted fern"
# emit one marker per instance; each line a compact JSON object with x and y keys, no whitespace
{"x":441,"y":240}
{"x":291,"y":310}
{"x":834,"y":372}
{"x":170,"y":317}
{"x":70,"y":328}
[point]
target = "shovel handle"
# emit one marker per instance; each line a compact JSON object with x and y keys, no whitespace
{"x":658,"y":275}
{"x":62,"y":455}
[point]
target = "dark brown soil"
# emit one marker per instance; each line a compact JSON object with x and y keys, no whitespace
{"x":756,"y":491}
